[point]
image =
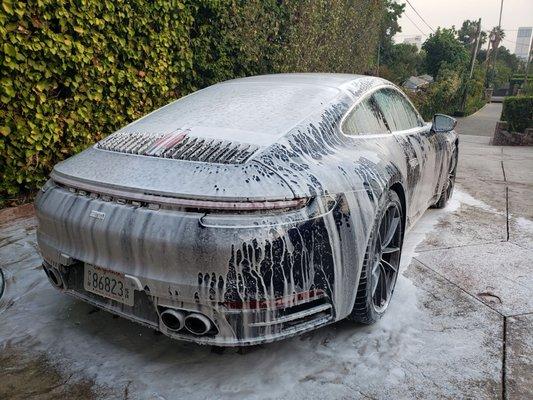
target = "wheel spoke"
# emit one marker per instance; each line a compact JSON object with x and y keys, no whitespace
{"x":384,"y":285}
{"x":389,"y":265}
{"x":386,"y":250}
{"x":395,"y":220}
{"x":375,"y":277}
{"x":390,"y":250}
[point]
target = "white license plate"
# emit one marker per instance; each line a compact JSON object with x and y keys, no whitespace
{"x":110,"y":284}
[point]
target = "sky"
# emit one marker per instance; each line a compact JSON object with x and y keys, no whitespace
{"x":445,"y":13}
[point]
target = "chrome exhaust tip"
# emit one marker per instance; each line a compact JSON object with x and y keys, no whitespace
{"x":54,"y":276}
{"x":172,"y":319}
{"x":197,"y":324}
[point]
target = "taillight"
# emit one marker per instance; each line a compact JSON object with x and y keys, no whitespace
{"x":155,"y":202}
{"x":280,"y":302}
{"x":242,"y":205}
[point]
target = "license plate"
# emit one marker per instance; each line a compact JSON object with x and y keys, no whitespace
{"x":109,"y":284}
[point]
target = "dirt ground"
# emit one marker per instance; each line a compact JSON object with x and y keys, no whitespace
{"x":32,"y":376}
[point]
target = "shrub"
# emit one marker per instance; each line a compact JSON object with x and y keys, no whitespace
{"x":443,"y":96}
{"x":518,"y":112}
{"x":71,"y":74}
{"x":527,"y":89}
{"x":329,"y":35}
{"x":73,"y":71}
{"x":475,"y":91}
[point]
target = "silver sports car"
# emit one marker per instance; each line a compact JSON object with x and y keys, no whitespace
{"x":249,"y":211}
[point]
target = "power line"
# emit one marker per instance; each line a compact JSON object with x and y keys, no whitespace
{"x":423,"y":20}
{"x":510,"y":41}
{"x":416,"y":26}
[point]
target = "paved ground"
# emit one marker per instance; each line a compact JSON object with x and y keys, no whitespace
{"x":459,"y":326}
{"x":482,"y":123}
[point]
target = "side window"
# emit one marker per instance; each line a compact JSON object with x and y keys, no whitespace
{"x":399,"y":113}
{"x":365,"y":119}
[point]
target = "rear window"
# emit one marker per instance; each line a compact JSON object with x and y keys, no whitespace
{"x":365,"y":119}
{"x":398,"y":112}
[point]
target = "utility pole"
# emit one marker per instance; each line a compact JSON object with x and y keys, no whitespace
{"x":527,"y":63}
{"x":473,"y":55}
{"x":500,"y":20}
{"x":497,"y":40}
{"x":475,"y":49}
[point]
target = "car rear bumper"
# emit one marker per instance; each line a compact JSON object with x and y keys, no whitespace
{"x":257,"y":279}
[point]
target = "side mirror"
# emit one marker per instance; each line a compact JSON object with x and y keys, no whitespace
{"x":443,"y":123}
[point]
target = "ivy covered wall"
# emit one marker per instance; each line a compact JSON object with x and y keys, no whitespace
{"x":73,"y":71}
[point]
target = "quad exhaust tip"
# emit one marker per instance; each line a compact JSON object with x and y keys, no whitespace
{"x":197,"y":324}
{"x":173,"y":319}
{"x":176,"y":320}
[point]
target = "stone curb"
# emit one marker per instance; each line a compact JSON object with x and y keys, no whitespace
{"x":11,"y":213}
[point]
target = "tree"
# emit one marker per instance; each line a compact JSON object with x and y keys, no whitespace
{"x":467,"y":34}
{"x":507,"y":64}
{"x":509,"y":59}
{"x":404,"y":60}
{"x":498,"y":31}
{"x":502,"y":74}
{"x":444,"y":47}
{"x":389,"y":27}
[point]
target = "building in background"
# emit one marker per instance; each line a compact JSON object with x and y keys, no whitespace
{"x":416,"y":83}
{"x":416,"y":40}
{"x":523,"y":41}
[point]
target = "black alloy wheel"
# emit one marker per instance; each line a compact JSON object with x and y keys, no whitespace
{"x":386,"y":261}
{"x":450,"y":183}
{"x":382,"y":263}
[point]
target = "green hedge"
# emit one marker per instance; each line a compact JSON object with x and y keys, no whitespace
{"x":518,"y":112}
{"x":73,"y":71}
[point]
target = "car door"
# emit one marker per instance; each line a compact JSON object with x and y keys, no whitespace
{"x":420,"y":146}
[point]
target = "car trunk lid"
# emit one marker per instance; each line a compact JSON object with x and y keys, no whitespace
{"x":136,"y":174}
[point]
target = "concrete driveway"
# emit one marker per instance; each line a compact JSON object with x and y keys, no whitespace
{"x":459,"y":325}
{"x":482,"y":122}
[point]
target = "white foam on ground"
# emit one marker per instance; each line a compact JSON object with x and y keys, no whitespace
{"x":414,"y":351}
{"x":524,"y":224}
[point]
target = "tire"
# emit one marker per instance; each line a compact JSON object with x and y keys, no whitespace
{"x":381,"y":262}
{"x":450,"y":183}
{"x":2,"y":283}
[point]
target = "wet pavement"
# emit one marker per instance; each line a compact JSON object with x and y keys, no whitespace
{"x":459,"y":325}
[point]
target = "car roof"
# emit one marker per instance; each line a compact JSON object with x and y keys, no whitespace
{"x":312,"y":78}
{"x":266,"y":106}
